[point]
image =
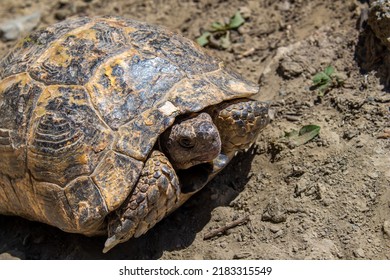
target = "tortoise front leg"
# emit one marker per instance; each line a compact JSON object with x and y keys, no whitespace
{"x":155,"y":195}
{"x":239,"y":122}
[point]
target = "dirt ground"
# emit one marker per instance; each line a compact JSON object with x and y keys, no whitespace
{"x":326,"y":199}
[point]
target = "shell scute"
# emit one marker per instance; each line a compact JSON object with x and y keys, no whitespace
{"x":137,"y":138}
{"x":18,"y":95}
{"x":87,"y":206}
{"x":73,"y":59}
{"x":129,"y":84}
{"x":180,"y":51}
{"x":67,"y":136}
{"x":33,"y":46}
{"x":115,"y":176}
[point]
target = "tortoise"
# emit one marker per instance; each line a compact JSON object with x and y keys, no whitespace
{"x":107,"y":125}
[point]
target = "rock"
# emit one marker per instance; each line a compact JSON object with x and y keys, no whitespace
{"x":285,"y":6}
{"x":361,"y":205}
{"x":359,"y":253}
{"x":290,"y":69}
{"x":379,"y":21}
{"x":293,"y":118}
{"x":301,"y":187}
{"x":13,"y":29}
{"x":373,"y":175}
{"x":386,"y":227}
{"x":243,"y":29}
{"x":243,"y":255}
{"x":279,"y":233}
{"x":245,"y":12}
{"x":275,"y":228}
{"x":274,"y":212}
{"x":350,"y":133}
{"x":326,"y":201}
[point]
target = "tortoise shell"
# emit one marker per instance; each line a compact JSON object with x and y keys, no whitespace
{"x":83,"y":102}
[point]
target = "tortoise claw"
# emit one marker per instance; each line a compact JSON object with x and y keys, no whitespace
{"x":110,"y":243}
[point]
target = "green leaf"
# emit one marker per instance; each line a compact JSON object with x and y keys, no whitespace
{"x":203,"y":39}
{"x":217,"y":26}
{"x":225,"y":41}
{"x":321,"y":78}
{"x":236,"y":21}
{"x":305,"y":134}
{"x":328,"y":79}
{"x":311,"y":130}
{"x":329,"y":70}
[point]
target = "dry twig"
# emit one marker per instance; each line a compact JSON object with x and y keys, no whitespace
{"x":223,"y":229}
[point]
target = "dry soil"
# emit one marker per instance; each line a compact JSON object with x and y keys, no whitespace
{"x":326,"y":199}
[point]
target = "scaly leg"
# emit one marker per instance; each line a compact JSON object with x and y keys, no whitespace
{"x":239,"y":122}
{"x":156,"y":194}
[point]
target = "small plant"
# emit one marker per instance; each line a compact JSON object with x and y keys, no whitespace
{"x":218,"y":34}
{"x":325,"y":80}
{"x":296,"y":138}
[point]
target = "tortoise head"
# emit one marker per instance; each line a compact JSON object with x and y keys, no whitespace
{"x":233,"y":126}
{"x":191,"y":141}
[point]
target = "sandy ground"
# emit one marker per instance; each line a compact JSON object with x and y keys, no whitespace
{"x":326,"y":199}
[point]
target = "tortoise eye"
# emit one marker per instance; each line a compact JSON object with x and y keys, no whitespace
{"x":186,"y":142}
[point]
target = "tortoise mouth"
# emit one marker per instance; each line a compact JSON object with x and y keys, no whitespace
{"x":196,"y":177}
{"x":200,"y":160}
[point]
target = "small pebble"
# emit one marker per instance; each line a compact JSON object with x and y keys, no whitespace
{"x":274,"y":228}
{"x":279,"y":233}
{"x":274,"y":212}
{"x":373,"y":175}
{"x":292,"y":118}
{"x":15,"y":28}
{"x":359,"y":253}
{"x":285,"y":6}
{"x":243,"y":255}
{"x":386,"y":227}
{"x":349,"y":134}
{"x":290,"y":69}
{"x":245,"y":12}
